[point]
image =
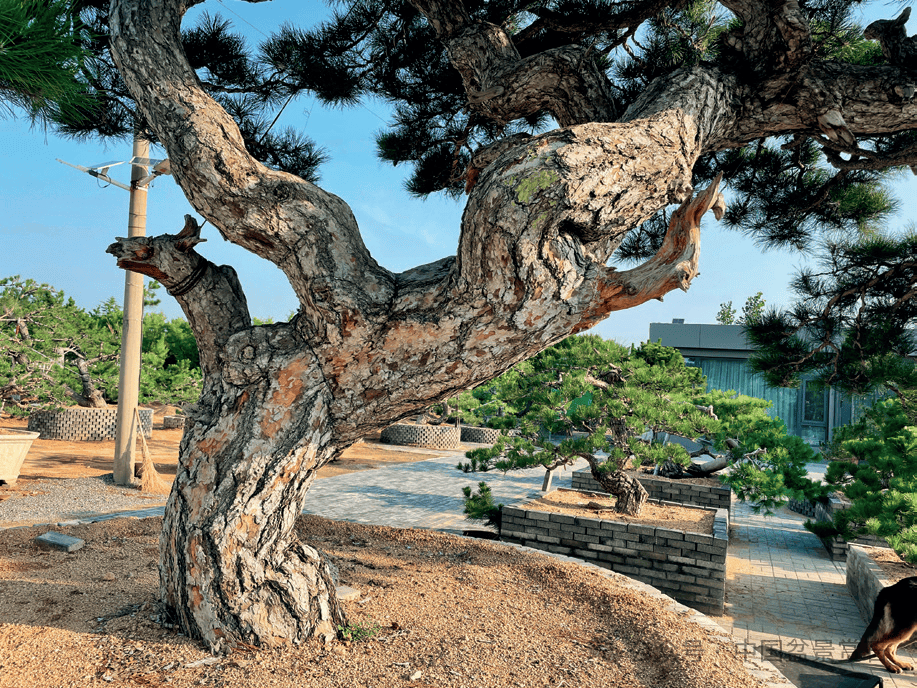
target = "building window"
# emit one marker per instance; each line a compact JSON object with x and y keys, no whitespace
{"x":814,"y":412}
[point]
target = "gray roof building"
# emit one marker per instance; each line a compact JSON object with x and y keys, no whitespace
{"x":811,"y":411}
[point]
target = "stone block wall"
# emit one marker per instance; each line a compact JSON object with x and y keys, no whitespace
{"x":690,"y":567}
{"x":864,"y":580}
{"x":431,"y":436}
{"x":173,"y":422}
{"x":713,"y":496}
{"x":837,"y":547}
{"x":804,"y":507}
{"x":83,"y":424}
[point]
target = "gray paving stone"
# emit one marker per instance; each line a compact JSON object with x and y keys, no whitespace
{"x":52,"y":540}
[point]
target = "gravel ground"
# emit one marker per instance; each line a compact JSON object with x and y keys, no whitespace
{"x":54,"y":501}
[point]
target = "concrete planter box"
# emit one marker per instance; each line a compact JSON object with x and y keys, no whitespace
{"x":690,"y":567}
{"x":13,"y":450}
{"x":84,"y":424}
{"x":864,"y":579}
{"x":677,"y":491}
{"x":431,"y":436}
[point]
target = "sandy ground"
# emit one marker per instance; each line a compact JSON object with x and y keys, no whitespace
{"x":593,"y":505}
{"x":893,"y":566}
{"x":63,"y":459}
{"x":440,"y":611}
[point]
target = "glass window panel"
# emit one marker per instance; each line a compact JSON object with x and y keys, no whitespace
{"x":726,"y":374}
{"x":814,"y":398}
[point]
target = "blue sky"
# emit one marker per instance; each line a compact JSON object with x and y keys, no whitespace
{"x":57,"y":222}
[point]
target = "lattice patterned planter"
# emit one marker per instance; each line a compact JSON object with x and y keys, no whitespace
{"x":471,"y":433}
{"x":430,"y":436}
{"x":690,"y":567}
{"x":14,"y":445}
{"x":678,"y":491}
{"x":83,"y":424}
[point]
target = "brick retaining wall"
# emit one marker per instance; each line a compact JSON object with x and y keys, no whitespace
{"x":83,"y":424}
{"x":824,"y":513}
{"x":689,"y":567}
{"x":864,"y":579}
{"x":432,"y":436}
{"x":680,"y":492}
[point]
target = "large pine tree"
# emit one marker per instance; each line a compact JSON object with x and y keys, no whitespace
{"x":643,"y":103}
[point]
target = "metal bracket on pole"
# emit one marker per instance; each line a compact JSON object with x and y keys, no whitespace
{"x":95,"y":173}
{"x":100,"y":171}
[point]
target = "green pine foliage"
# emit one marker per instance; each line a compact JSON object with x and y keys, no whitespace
{"x":40,"y":57}
{"x":876,"y":469}
{"x":44,"y":336}
{"x":480,"y":506}
{"x":851,"y":325}
{"x":781,"y":473}
{"x":253,"y":85}
{"x":591,"y":398}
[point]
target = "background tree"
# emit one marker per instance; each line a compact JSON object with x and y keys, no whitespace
{"x":752,"y":311}
{"x":49,"y":346}
{"x":788,"y":98}
{"x":586,"y":397}
{"x":727,"y":314}
{"x":54,"y":353}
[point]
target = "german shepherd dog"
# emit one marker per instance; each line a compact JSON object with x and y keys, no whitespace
{"x":893,"y":622}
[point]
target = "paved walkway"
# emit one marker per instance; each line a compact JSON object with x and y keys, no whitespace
{"x":424,"y":494}
{"x":782,"y":590}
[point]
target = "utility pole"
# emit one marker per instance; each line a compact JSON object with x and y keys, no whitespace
{"x":132,"y":331}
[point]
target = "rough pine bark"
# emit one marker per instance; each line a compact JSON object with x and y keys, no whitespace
{"x":369,"y":347}
{"x":629,"y":493}
{"x":90,"y":396}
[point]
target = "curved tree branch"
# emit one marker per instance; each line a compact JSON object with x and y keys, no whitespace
{"x":210,"y":295}
{"x":309,"y":233}
{"x":775,"y":37}
{"x":623,"y":16}
{"x":503,"y":86}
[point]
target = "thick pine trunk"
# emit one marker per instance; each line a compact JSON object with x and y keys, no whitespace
{"x":231,"y":568}
{"x":629,"y":493}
